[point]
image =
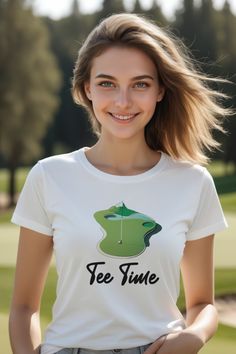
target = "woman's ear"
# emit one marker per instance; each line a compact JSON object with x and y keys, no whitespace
{"x":161,"y":93}
{"x":87,"y":90}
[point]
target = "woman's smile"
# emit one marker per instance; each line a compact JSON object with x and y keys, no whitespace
{"x":123,"y":85}
{"x":123,"y":118}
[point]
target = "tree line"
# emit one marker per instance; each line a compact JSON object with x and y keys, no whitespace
{"x":37,"y":54}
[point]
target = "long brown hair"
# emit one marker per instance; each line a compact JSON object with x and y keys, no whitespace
{"x":183,"y":121}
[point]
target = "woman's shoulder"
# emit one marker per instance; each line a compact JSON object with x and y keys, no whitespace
{"x":60,"y":159}
{"x":187,"y":169}
{"x":55,"y":164}
{"x":183,"y":165}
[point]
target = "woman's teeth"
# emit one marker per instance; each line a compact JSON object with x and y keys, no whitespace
{"x":123,"y":117}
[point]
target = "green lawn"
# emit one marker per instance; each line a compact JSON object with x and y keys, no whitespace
{"x":228,"y":201}
{"x":223,"y":342}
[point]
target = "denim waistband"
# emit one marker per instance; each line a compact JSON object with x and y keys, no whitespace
{"x":135,"y":350}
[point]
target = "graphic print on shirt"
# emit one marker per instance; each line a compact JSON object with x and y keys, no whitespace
{"x":126,"y":232}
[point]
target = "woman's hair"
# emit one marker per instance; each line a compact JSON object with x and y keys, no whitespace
{"x":183,"y":121}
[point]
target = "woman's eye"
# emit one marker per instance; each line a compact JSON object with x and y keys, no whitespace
{"x":141,"y":85}
{"x":106,"y":84}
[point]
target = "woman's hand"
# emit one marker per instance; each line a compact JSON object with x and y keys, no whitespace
{"x":183,"y":342}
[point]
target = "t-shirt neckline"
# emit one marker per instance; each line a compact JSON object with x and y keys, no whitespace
{"x":120,"y":178}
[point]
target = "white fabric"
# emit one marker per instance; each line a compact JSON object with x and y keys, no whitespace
{"x":64,"y":197}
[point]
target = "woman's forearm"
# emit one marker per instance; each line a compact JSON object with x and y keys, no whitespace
{"x":202,"y":320}
{"x":25,"y":332}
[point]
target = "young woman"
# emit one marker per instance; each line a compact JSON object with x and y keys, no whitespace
{"x":125,"y":215}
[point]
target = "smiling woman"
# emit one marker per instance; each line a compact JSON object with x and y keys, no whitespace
{"x":187,"y":110}
{"x":124,"y":93}
{"x":127,"y":214}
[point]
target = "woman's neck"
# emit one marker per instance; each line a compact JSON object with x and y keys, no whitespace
{"x":122,"y":157}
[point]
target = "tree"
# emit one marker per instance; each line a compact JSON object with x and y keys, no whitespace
{"x":137,"y":9}
{"x":110,"y":7}
{"x":156,"y":14}
{"x":197,"y":27}
{"x":70,"y":128}
{"x":226,"y":38}
{"x":207,"y":34}
{"x":29,"y":84}
{"x":187,"y":22}
{"x":75,"y":8}
{"x":227,"y":59}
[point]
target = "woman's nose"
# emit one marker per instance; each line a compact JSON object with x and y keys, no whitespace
{"x":123,"y":98}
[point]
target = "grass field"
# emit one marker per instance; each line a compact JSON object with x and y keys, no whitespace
{"x":224,"y":342}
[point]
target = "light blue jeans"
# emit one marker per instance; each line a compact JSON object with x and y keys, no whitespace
{"x":136,"y":350}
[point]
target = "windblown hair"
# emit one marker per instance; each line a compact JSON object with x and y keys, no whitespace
{"x":183,"y":122}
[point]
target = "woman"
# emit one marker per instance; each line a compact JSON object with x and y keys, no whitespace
{"x":126,"y":214}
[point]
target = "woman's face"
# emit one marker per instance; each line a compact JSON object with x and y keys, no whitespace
{"x":124,"y":91}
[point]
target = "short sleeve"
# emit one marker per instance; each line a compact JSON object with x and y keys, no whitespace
{"x":30,"y":211}
{"x":209,"y":217}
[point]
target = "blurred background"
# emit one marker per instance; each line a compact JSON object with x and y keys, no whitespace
{"x":39,"y":41}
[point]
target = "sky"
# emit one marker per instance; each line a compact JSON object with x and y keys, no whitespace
{"x":57,"y":9}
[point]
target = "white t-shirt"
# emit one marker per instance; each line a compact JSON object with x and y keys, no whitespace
{"x":118,"y":242}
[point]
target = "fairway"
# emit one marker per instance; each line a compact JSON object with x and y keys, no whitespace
{"x":217,"y":346}
{"x":225,"y":244}
{"x":8,"y":244}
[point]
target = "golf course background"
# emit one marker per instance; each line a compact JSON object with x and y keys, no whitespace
{"x":225,"y":261}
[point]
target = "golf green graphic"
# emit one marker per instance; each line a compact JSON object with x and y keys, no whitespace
{"x":126,"y":232}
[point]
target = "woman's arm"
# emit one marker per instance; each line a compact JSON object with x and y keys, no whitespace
{"x":198,"y":278}
{"x":201,"y":315}
{"x":33,"y":260}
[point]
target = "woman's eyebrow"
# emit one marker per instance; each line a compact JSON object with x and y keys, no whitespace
{"x":139,"y":77}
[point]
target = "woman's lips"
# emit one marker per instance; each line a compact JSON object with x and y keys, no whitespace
{"x":123,"y":118}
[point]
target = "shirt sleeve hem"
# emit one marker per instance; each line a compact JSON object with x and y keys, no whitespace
{"x":206,"y":231}
{"x":32,"y":225}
